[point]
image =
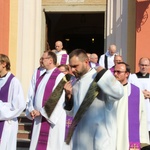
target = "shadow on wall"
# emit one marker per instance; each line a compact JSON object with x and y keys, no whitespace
{"x":142,"y":14}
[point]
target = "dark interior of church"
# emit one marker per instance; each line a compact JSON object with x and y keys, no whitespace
{"x":76,"y":30}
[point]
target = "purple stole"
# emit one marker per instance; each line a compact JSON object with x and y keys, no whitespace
{"x":134,"y":121}
{"x":38,"y":73}
{"x":4,"y":97}
{"x":68,"y":124}
{"x":63,"y":59}
{"x":45,"y":125}
{"x":112,"y":69}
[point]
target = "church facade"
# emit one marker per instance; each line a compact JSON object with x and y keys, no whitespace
{"x":28,"y":25}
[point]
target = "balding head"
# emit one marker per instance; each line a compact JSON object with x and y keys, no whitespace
{"x":89,"y":55}
{"x":117,"y":59}
{"x":112,"y":49}
{"x":144,"y":65}
{"x":94,"y":58}
{"x":58,"y":45}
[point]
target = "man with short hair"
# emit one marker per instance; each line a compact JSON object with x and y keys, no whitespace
{"x":131,"y":114}
{"x":143,"y":79}
{"x":89,"y":55}
{"x":107,"y":60}
{"x":12,"y":104}
{"x":93,"y":60}
{"x":117,"y":59}
{"x":48,"y":130}
{"x":37,"y":73}
{"x":94,"y":124}
{"x":62,"y":56}
{"x":64,"y":68}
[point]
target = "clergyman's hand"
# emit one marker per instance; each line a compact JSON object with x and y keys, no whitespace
{"x":68,"y":89}
{"x":35,"y":113}
{"x":146,"y":94}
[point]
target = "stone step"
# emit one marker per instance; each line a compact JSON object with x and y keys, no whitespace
{"x":23,"y":143}
{"x":25,"y":126}
{"x":22,"y":134}
{"x":24,"y":119}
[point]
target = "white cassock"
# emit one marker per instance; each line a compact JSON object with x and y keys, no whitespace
{"x":93,"y":65}
{"x":110,"y":60}
{"x":9,"y":111}
{"x":59,"y":56}
{"x":97,"y":129}
{"x":122,"y":120}
{"x":143,"y":84}
{"x":37,"y":73}
{"x":57,"y":118}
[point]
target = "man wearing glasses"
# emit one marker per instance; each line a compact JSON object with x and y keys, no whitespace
{"x":131,"y":114}
{"x":48,"y":131}
{"x":143,"y":79}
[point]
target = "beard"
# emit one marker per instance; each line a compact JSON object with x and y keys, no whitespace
{"x":80,"y":73}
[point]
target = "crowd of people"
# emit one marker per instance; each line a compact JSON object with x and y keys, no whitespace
{"x":78,"y":102}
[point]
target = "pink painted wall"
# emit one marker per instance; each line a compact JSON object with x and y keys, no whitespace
{"x":4,"y":26}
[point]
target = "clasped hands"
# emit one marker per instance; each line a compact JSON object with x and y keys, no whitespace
{"x":35,"y":113}
{"x":146,"y":94}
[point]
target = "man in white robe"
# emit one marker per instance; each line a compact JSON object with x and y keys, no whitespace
{"x":12,"y":104}
{"x":93,"y":60}
{"x":117,"y":58}
{"x":62,"y":56}
{"x":96,"y":130}
{"x":142,"y":80}
{"x":107,"y":60}
{"x":121,"y":72}
{"x":37,"y":73}
{"x":35,"y":109}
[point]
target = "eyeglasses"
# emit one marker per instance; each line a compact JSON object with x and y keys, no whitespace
{"x":119,"y":72}
{"x":42,"y":58}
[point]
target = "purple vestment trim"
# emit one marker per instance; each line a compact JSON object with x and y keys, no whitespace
{"x":4,"y":97}
{"x":45,"y":126}
{"x":63,"y":59}
{"x":90,"y":64}
{"x":96,"y":64}
{"x":38,"y":81}
{"x":68,"y":124}
{"x":112,"y":69}
{"x":38,"y":73}
{"x":133,"y":115}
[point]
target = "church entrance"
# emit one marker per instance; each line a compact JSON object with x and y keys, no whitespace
{"x":77,"y":30}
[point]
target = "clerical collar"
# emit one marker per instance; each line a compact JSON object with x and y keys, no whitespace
{"x":84,"y":74}
{"x":125,"y":84}
{"x":89,"y":69}
{"x":3,"y":76}
{"x":140,"y":75}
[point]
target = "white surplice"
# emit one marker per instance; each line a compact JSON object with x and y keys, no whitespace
{"x":110,"y":60}
{"x":143,"y":84}
{"x":9,"y":111}
{"x":34,"y":78}
{"x":59,"y":57}
{"x":57,"y":119}
{"x":97,"y":129}
{"x":122,"y":120}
